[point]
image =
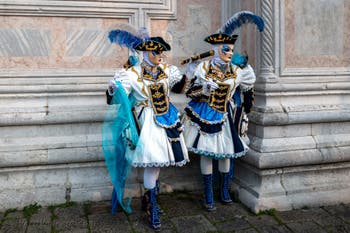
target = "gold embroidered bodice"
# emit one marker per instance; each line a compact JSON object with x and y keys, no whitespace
{"x":218,"y":98}
{"x":157,"y":90}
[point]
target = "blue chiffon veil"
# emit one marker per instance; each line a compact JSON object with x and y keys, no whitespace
{"x":119,"y":134}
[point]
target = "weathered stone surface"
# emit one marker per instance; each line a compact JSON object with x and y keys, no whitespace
{"x":305,"y":227}
{"x":70,"y":218}
{"x":342,"y":211}
{"x":302,"y":215}
{"x":233,"y":225}
{"x":225,"y":213}
{"x":35,"y":228}
{"x":92,"y":217}
{"x":272,"y":229}
{"x":262,"y":220}
{"x":185,"y":204}
{"x":248,"y":230}
{"x":43,"y":217}
{"x":15,"y":225}
{"x":311,"y":26}
{"x":106,"y":222}
{"x":193,"y":224}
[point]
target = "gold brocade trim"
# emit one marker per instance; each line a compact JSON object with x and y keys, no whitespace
{"x":151,"y":46}
{"x":138,"y":75}
{"x":173,"y":139}
{"x":212,"y":73}
{"x":219,"y":38}
{"x":205,"y":68}
{"x":219,"y":97}
{"x":196,"y":92}
{"x":146,"y":74}
{"x":143,"y":103}
{"x":159,"y":100}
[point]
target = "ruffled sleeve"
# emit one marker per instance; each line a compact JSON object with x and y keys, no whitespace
{"x":246,"y":78}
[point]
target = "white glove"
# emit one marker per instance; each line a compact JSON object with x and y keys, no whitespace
{"x":209,"y":86}
{"x":244,"y":125}
{"x":112,"y":86}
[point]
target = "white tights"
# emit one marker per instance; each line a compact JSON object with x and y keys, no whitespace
{"x":207,"y":165}
{"x":150,"y":176}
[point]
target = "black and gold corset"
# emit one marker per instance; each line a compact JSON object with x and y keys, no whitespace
{"x":227,"y":75}
{"x":157,"y":90}
{"x":159,"y":99}
{"x":219,"y":97}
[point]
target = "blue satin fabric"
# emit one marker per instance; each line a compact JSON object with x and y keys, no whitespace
{"x":205,"y":112}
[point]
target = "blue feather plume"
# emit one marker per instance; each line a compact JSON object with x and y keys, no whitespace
{"x":124,"y":38}
{"x":240,"y":18}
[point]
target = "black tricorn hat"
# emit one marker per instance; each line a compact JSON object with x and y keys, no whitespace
{"x":221,"y":38}
{"x":153,"y":44}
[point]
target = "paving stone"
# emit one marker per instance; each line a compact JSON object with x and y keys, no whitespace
{"x":180,"y":205}
{"x":70,"y":219}
{"x":343,"y":228}
{"x":14,"y":225}
{"x":36,"y":228}
{"x":273,"y":229}
{"x":233,"y":225}
{"x":42,"y":217}
{"x":329,"y":221}
{"x":138,"y":221}
{"x":343,"y":211}
{"x":301,"y":215}
{"x":248,"y":230}
{"x":305,"y":227}
{"x":195,"y":224}
{"x":14,"y":215}
{"x":109,"y":223}
{"x":227,"y":212}
{"x":74,"y":231}
{"x":262,"y":220}
{"x":100,"y":207}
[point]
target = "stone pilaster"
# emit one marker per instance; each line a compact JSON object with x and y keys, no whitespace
{"x":299,"y":127}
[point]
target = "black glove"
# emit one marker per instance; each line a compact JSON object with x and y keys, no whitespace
{"x":248,"y":100}
{"x":109,"y":98}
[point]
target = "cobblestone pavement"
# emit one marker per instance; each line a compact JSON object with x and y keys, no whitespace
{"x":183,"y":212}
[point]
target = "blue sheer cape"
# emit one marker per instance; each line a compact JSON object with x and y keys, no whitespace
{"x":119,"y":133}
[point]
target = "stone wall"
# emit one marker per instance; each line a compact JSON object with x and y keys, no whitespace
{"x":299,"y":129}
{"x":55,"y":63}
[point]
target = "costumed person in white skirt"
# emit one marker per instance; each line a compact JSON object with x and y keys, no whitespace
{"x":145,"y":87}
{"x":219,"y":86}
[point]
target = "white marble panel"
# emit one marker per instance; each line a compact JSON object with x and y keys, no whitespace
{"x":24,"y":42}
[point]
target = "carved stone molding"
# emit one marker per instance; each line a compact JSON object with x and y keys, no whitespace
{"x":138,"y":12}
{"x":298,"y":73}
{"x":268,"y":41}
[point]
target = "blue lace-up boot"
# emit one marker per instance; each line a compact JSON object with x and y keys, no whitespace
{"x":144,"y":202}
{"x":224,"y":189}
{"x":208,"y":191}
{"x":151,"y":209}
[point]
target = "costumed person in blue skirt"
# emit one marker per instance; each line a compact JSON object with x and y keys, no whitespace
{"x":151,"y":132}
{"x":219,"y":87}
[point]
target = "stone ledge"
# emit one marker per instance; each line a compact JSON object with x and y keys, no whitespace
{"x":297,"y":157}
{"x":301,"y":116}
{"x":292,"y":187}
